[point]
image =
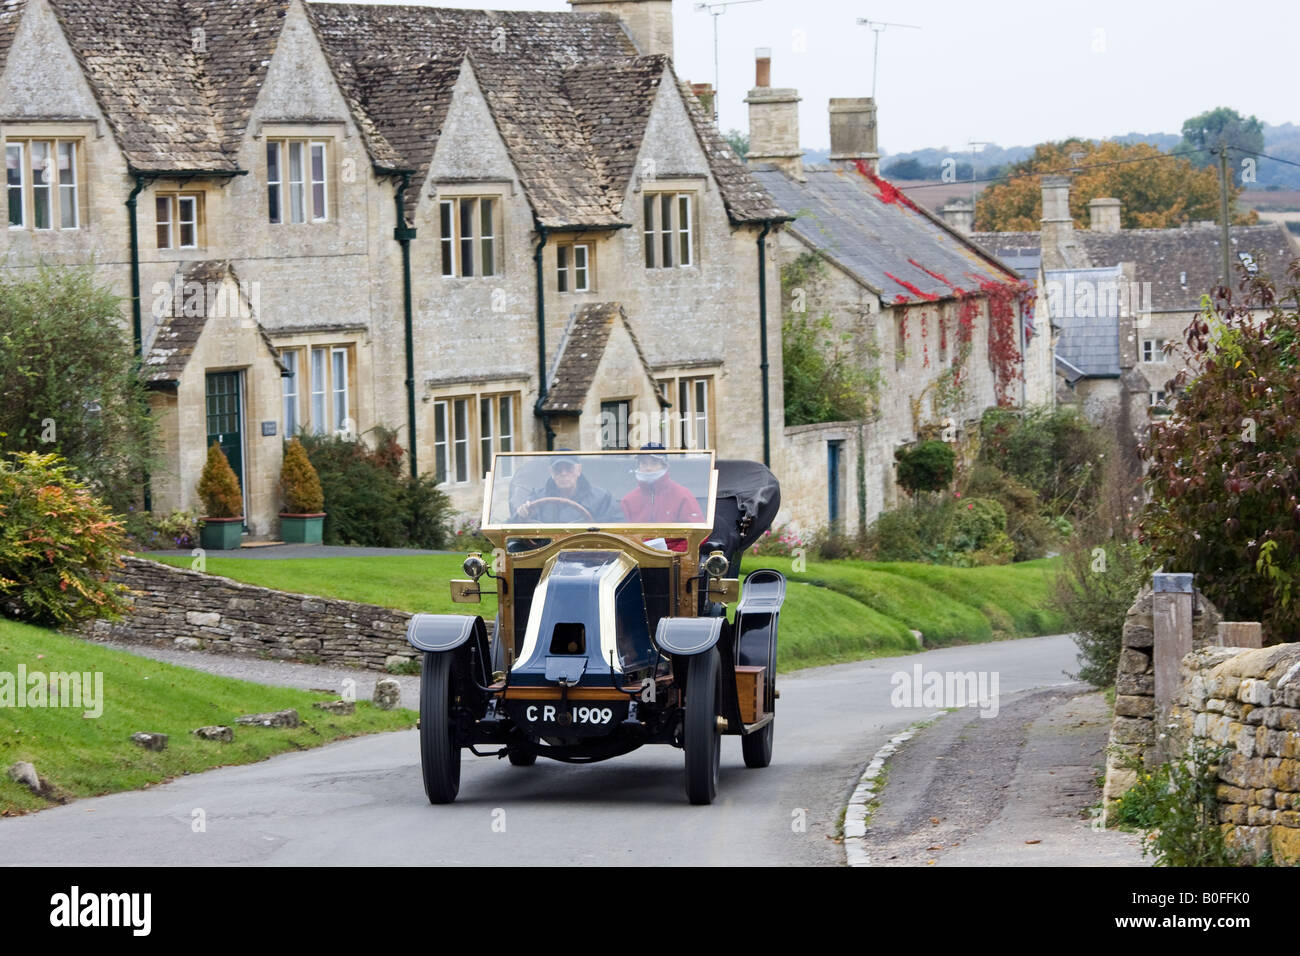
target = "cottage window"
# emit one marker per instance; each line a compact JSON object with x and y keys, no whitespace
{"x":573,"y":261}
{"x":289,"y":390}
{"x":469,"y":431}
{"x":669,"y":229}
{"x":1153,"y":350}
{"x":468,"y":233}
{"x":689,"y":424}
{"x":613,"y":424}
{"x":178,"y":220}
{"x":296,"y":180}
{"x":42,"y":180}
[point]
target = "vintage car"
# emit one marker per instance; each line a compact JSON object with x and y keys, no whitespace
{"x":613,"y":573}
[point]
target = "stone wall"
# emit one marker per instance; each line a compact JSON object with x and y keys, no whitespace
{"x":1133,"y":734}
{"x":1249,"y":703}
{"x":204,"y":611}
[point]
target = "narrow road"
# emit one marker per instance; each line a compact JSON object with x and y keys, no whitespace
{"x":361,"y":801}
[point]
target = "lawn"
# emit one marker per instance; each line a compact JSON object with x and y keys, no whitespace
{"x":85,"y":756}
{"x":835,"y":610}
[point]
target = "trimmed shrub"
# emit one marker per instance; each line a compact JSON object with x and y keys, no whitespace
{"x":299,"y":482}
{"x":219,"y":488}
{"x":58,"y":544}
{"x":927,"y":466}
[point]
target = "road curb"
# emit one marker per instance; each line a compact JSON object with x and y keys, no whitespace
{"x":855,"y":814}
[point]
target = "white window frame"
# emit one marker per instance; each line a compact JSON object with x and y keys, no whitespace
{"x":319,"y":389}
{"x":289,"y":393}
{"x":669,"y":244}
{"x":570,"y":275}
{"x":296,"y":191}
{"x":465,"y":451}
{"x":464,"y":256}
{"x":20,"y":186}
{"x":691,"y":414}
{"x":340,"y":398}
{"x":441,"y":446}
{"x":62,"y":192}
{"x":1157,"y":352}
{"x":176,"y":220}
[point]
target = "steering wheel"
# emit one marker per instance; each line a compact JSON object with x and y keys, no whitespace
{"x":565,"y":501}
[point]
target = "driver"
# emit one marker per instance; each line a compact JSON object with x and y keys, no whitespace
{"x":566,"y":482}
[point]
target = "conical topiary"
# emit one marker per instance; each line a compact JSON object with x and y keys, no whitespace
{"x":219,"y":487}
{"x":299,"y":482}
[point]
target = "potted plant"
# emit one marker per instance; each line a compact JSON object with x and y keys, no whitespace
{"x":223,"y":504}
{"x":303,"y":519}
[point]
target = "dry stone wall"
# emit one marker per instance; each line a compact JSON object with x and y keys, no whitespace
{"x":1248,"y":702}
{"x":203,"y":611}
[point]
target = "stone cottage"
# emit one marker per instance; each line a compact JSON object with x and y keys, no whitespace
{"x":489,"y":231}
{"x":948,"y":329}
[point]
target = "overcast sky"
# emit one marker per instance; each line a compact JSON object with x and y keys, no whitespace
{"x":1013,"y":72}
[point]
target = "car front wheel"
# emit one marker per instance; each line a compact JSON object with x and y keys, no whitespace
{"x":439,"y":754}
{"x":703,"y":743}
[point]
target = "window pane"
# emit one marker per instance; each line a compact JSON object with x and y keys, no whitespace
{"x":42,"y":176}
{"x":14,"y":179}
{"x":447,"y":238}
{"x":580,"y":269}
{"x":666,"y":228}
{"x":273,"y":180}
{"x":318,"y":181}
{"x":440,"y":442}
{"x":341,"y":390}
{"x":289,"y":387}
{"x":562,"y":268}
{"x":701,"y":413}
{"x":506,"y":439}
{"x":487,"y":234}
{"x":649,"y":205}
{"x":297,"y":196}
{"x":467,"y":237}
{"x":319,"y":424}
{"x":187,"y":207}
{"x":460,"y":438}
{"x":684,"y":227}
{"x":163,"y":212}
{"x":485,"y":435}
{"x":68,"y":185}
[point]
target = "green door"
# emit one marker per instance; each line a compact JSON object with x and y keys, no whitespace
{"x":225,"y":412}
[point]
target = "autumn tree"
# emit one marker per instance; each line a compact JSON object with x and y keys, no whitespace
{"x":1157,"y":191}
{"x":1224,"y":476}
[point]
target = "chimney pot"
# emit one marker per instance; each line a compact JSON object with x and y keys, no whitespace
{"x":763,"y":67}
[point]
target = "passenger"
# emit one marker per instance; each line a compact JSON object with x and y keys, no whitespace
{"x":566,"y":482}
{"x":657,"y":499}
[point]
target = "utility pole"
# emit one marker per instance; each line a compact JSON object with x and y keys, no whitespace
{"x":1223,"y":210}
{"x":878,"y":27}
{"x":717,"y":9}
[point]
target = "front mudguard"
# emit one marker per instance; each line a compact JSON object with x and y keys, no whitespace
{"x":688,"y":636}
{"x":465,"y":638}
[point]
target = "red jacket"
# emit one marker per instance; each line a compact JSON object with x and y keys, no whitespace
{"x":663,"y":502}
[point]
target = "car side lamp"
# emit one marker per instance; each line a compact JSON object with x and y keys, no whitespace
{"x":724,"y":589}
{"x":468,"y":591}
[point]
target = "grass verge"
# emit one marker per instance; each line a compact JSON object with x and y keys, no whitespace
{"x":84,"y":756}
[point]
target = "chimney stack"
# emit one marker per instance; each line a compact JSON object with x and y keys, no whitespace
{"x":648,"y":22}
{"x":773,"y":120}
{"x":960,"y":215}
{"x":853,"y":131}
{"x":1104,"y":215}
{"x":1057,"y":224}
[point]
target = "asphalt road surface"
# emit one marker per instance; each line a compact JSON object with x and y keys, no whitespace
{"x":362,"y":801}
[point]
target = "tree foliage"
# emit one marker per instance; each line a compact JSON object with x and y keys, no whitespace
{"x":1206,"y":130}
{"x":927,"y":466}
{"x":1156,"y":192}
{"x":58,"y":544}
{"x":68,"y":383}
{"x":824,"y":378}
{"x":1224,"y":476}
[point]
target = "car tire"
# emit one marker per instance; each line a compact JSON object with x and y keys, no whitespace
{"x":520,"y":758}
{"x":439,"y":753}
{"x":757,"y":747}
{"x":702,"y":740}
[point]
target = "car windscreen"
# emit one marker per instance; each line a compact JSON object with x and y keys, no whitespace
{"x":601,"y":489}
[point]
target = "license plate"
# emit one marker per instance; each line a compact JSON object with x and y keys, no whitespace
{"x":579,"y":718}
